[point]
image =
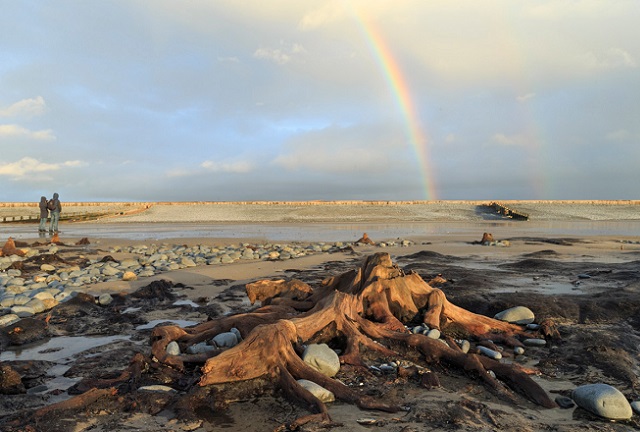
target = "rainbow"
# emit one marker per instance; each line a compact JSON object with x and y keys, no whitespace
{"x":402,"y":95}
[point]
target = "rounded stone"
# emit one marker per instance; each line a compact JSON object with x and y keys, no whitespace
{"x":8,"y":319}
{"x":225,"y":340}
{"x":129,"y":276}
{"x":535,"y":342}
{"x":105,"y":299}
{"x":434,"y":334}
{"x":489,"y":352}
{"x":36,"y":304}
{"x":23,"y":311}
{"x":322,"y":358}
{"x":47,"y":267}
{"x":516,"y":315}
{"x":187,"y":262}
{"x":318,"y":391}
{"x":173,"y":348}
{"x":603,"y":400}
{"x":518,"y":350}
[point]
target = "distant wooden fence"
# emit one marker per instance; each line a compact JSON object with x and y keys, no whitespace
{"x":508,"y":212}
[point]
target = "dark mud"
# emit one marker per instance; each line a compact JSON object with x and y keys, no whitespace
{"x":596,"y":307}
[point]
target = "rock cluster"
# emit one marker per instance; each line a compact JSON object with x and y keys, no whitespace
{"x":23,"y":295}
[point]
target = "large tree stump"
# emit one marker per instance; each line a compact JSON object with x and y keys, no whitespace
{"x":367,"y":308}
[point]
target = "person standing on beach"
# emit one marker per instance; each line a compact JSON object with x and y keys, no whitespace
{"x":44,"y":214}
{"x":55,"y":207}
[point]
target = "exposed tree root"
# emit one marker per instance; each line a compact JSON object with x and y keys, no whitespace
{"x":366,"y":309}
{"x":364,"y":312}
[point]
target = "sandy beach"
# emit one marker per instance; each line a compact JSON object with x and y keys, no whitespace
{"x":575,"y":264}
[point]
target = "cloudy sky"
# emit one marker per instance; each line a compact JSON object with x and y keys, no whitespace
{"x":214,"y":100}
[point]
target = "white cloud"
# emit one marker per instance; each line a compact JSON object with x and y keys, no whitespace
{"x":239,"y":167}
{"x":618,"y":135}
{"x":526,"y":97}
{"x":16,"y":131}
{"x":613,"y":58}
{"x":28,"y":165}
{"x":26,"y":107}
{"x":510,"y":140}
{"x":279,"y":55}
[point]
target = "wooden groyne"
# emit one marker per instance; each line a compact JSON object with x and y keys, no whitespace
{"x":69,"y":215}
{"x":509,"y":212}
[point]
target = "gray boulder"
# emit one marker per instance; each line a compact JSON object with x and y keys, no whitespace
{"x":603,"y":400}
{"x":225,"y":340}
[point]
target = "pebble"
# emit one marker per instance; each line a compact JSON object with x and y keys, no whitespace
{"x":465,"y":345}
{"x":489,"y":352}
{"x":602,"y":400}
{"x":434,"y":334}
{"x":518,"y":350}
{"x":105,"y":299}
{"x":636,"y":406}
{"x":129,"y":276}
{"x":535,"y":342}
{"x":565,"y":402}
{"x":157,"y":388}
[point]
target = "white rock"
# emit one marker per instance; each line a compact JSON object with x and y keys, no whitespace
{"x":318,"y":391}
{"x":322,"y":358}
{"x":603,"y":400}
{"x":173,"y":348}
{"x":516,"y":315}
{"x":157,"y":388}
